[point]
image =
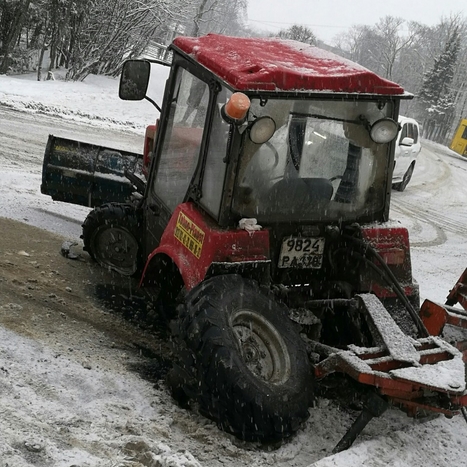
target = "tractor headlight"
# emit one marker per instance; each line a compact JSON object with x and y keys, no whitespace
{"x":262,"y":130}
{"x":384,"y":130}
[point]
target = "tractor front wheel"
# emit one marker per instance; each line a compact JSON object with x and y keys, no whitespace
{"x":243,"y":360}
{"x":110,"y":237}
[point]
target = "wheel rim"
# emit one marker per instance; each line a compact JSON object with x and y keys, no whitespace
{"x":261,"y":346}
{"x":117,"y":249}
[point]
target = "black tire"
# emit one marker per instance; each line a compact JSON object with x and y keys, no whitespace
{"x":242,"y":359}
{"x":406,"y":179}
{"x":110,"y":236}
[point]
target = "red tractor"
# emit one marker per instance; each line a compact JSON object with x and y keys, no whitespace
{"x":260,"y":206}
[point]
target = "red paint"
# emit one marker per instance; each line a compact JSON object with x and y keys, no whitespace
{"x":458,"y":294}
{"x":274,"y":64}
{"x":392,"y":245}
{"x":218,"y":245}
{"x":149,"y":137}
{"x":403,"y":392}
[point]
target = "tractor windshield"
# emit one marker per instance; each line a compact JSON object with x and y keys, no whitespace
{"x":319,"y":165}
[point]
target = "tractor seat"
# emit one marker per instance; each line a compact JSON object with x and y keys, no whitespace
{"x":299,"y":192}
{"x":319,"y":188}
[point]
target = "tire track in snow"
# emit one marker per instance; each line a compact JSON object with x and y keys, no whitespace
{"x":430,"y":185}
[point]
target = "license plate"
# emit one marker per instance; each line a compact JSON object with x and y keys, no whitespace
{"x":302,"y":253}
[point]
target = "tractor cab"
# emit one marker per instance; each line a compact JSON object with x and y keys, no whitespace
{"x":312,"y":142}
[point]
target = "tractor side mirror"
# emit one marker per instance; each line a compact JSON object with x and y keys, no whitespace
{"x":134,"y":80}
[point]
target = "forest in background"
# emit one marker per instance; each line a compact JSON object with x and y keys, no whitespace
{"x":97,"y":36}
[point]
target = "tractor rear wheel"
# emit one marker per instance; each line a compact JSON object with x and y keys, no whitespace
{"x":242,"y":359}
{"x":110,"y":237}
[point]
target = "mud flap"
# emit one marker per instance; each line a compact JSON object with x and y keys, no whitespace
{"x":86,"y":174}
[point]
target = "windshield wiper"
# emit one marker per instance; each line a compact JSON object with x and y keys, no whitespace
{"x":362,"y":120}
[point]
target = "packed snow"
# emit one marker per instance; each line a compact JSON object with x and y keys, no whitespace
{"x":59,"y":408}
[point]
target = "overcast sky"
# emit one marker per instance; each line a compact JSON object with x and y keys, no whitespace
{"x":327,"y":18}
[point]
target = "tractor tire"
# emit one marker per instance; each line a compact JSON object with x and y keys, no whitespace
{"x":401,"y":186}
{"x":110,"y":236}
{"x":242,"y":359}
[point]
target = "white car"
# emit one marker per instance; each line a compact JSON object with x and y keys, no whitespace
{"x":407,"y":149}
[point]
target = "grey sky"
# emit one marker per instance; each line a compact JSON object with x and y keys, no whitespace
{"x":328,"y":18}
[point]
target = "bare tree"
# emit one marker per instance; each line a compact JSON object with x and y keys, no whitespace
{"x":297,"y":33}
{"x":215,"y":16}
{"x":229,"y":18}
{"x":392,"y":42}
{"x":360,"y":44}
{"x":114,"y":32}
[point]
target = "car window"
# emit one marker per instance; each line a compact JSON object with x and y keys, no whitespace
{"x":415,"y":133}
{"x":409,"y":130}
{"x":403,"y":132}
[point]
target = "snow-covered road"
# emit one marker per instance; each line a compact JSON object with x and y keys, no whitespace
{"x":23,"y":138}
{"x":433,"y":209}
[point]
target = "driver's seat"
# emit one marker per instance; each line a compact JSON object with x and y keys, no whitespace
{"x":299,"y":192}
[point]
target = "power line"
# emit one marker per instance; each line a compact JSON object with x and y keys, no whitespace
{"x":302,"y":24}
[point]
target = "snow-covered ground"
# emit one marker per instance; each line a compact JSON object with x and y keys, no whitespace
{"x":95,"y":99}
{"x":41,"y":387}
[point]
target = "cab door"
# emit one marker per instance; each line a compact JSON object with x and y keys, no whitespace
{"x":178,"y":155}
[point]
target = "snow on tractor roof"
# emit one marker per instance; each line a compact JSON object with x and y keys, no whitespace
{"x":282,"y":65}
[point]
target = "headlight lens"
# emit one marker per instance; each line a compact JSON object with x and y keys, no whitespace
{"x":384,"y":130}
{"x":262,"y":130}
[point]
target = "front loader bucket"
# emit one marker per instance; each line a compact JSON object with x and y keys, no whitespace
{"x":86,"y":174}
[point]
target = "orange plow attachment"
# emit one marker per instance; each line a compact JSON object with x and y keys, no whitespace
{"x":420,"y":374}
{"x":416,"y":374}
{"x":436,"y":316}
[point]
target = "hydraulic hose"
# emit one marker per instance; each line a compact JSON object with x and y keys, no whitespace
{"x":388,"y":276}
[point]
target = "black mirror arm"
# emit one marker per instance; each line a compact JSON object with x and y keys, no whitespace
{"x":153,"y":103}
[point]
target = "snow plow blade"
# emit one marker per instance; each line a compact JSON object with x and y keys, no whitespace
{"x":459,"y":292}
{"x":436,"y":316}
{"x":417,"y":375}
{"x":89,"y":175}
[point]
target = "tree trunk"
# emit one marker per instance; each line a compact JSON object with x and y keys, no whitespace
{"x":10,"y":29}
{"x":39,"y":64}
{"x":198,"y":17}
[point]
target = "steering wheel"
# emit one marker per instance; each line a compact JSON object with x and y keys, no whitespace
{"x":274,"y":152}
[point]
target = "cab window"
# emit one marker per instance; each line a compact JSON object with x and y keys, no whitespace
{"x":216,"y":162}
{"x":183,"y":137}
